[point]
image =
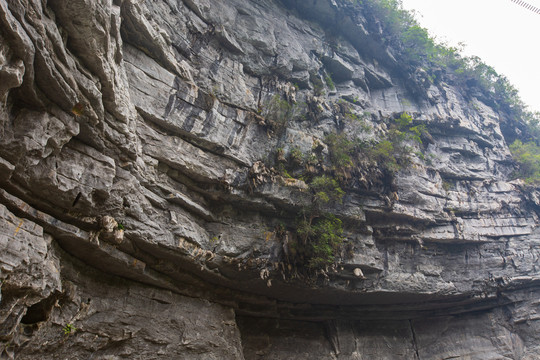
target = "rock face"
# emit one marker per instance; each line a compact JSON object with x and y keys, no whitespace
{"x":144,"y":216}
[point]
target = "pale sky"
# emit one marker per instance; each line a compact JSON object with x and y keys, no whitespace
{"x":502,"y":33}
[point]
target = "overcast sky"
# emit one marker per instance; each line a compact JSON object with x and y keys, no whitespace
{"x":502,"y":33}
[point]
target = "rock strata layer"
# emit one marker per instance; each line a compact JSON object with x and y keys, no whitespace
{"x":143,"y":213}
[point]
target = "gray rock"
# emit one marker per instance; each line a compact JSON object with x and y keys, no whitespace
{"x":179,"y":121}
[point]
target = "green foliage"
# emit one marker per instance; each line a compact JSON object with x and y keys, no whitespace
{"x":318,"y":85}
{"x":319,"y":240}
{"x":69,"y":329}
{"x":391,"y":14}
{"x":349,"y":115}
{"x":532,"y":120}
{"x":404,"y":121}
{"x":527,"y":155}
{"x":329,"y":82}
{"x":326,"y":190}
{"x":415,"y":132}
{"x":284,"y":172}
{"x":418,"y":45}
{"x":419,"y":49}
{"x":120,"y":226}
{"x":318,"y":234}
{"x":341,"y":149}
{"x":295,"y":163}
{"x":296,"y":156}
{"x":390,"y":152}
{"x":446,"y":185}
{"x":311,"y":159}
{"x":277,"y":112}
{"x":346,"y":109}
{"x":405,"y":129}
{"x":384,"y":153}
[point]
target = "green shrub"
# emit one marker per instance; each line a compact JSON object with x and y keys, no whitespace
{"x":390,"y":151}
{"x":296,"y":156}
{"x":527,"y":156}
{"x":318,"y":234}
{"x":69,"y":329}
{"x":318,"y":85}
{"x":277,"y":112}
{"x":341,"y":149}
{"x":533,"y":126}
{"x":406,"y":130}
{"x":384,"y":153}
{"x":326,"y":190}
{"x":319,"y":240}
{"x":416,"y":47}
{"x":329,"y":82}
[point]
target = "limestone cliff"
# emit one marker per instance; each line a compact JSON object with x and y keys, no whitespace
{"x":154,"y":158}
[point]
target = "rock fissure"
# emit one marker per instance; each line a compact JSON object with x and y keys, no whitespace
{"x":156,"y":159}
{"x":415,"y":344}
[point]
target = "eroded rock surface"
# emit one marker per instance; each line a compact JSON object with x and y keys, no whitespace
{"x":144,"y":215}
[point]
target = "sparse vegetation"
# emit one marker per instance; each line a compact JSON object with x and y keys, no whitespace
{"x":69,"y":329}
{"x":406,"y":130}
{"x":527,"y":156}
{"x":318,"y":85}
{"x":418,"y":49}
{"x":319,"y":234}
{"x":277,"y":113}
{"x":329,"y":82}
{"x":341,"y":151}
{"x":390,"y":152}
{"x":296,"y":156}
{"x":446,"y":185}
{"x":325,"y":190}
{"x":319,"y":240}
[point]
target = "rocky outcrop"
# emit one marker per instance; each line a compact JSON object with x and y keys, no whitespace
{"x":144,"y":213}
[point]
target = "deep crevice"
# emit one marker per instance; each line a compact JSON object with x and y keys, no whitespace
{"x":415,"y":344}
{"x":40,"y":311}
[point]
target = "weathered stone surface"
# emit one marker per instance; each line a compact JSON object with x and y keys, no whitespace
{"x":29,"y":272}
{"x":143,"y":199}
{"x":113,"y":319}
